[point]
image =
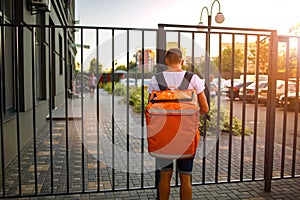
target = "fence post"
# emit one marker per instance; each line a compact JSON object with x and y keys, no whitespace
{"x":160,"y":66}
{"x":269,"y":138}
{"x":161,"y":48}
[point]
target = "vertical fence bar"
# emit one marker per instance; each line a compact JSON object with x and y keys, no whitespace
{"x":218,"y":111}
{"x":255,"y":111}
{"x":3,"y":57}
{"x":143,"y":110}
{"x":51,"y":54}
{"x":176,"y":170}
{"x":127,"y":100}
{"x":82,"y":114}
{"x":207,"y":94}
{"x":113,"y":109}
{"x":257,"y":72}
{"x":17,"y":98}
{"x":193,"y":70}
{"x":284,"y":125}
{"x":270,"y":118}
{"x":2,"y":107}
{"x":66,"y":47}
{"x":244,"y":110}
{"x":98,"y":117}
{"x":127,"y":114}
{"x":160,"y":57}
{"x":193,"y":52}
{"x":33,"y":53}
{"x":296,"y":112}
{"x":231,"y":110}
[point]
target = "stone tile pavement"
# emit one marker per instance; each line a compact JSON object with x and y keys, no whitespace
{"x":285,"y":189}
{"x":75,"y":154}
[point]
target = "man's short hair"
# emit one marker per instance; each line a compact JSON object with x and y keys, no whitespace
{"x":174,"y":55}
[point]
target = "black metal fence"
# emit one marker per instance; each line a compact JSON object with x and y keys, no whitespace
{"x":57,"y":139}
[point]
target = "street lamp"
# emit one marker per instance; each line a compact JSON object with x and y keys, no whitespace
{"x":219,"y":17}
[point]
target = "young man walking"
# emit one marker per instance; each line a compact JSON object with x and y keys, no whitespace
{"x":173,"y":77}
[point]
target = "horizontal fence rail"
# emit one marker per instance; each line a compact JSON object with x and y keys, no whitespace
{"x":58,"y":138}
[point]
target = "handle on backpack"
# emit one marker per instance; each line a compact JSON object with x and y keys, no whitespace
{"x":172,"y":88}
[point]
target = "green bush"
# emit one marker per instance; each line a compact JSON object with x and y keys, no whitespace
{"x":135,"y":95}
{"x":135,"y":98}
{"x":222,"y":120}
{"x":120,"y":89}
{"x":108,"y":87}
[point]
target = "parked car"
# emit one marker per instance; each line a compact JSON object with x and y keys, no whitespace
{"x":280,"y":90}
{"x":249,"y":94}
{"x":146,"y":82}
{"x":237,"y":85}
{"x":215,"y":81}
{"x":292,"y":101}
{"x":131,"y":81}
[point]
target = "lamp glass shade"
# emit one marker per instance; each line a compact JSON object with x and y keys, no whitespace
{"x":219,"y":18}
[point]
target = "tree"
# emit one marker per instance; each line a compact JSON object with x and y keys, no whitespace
{"x":226,"y":61}
{"x":132,"y":65}
{"x":293,"y":62}
{"x":121,"y":67}
{"x":93,"y":66}
{"x":263,"y":55}
{"x":295,"y":30}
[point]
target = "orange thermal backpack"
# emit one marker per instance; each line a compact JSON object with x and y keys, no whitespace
{"x":172,"y":119}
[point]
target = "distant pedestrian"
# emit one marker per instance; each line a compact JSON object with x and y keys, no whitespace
{"x":92,"y":84}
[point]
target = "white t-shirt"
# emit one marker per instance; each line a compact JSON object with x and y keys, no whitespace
{"x":175,"y":78}
{"x":92,"y":81}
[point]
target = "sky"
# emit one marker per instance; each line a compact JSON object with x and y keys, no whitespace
{"x":280,"y":15}
{"x":267,"y":14}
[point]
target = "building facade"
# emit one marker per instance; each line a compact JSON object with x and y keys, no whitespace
{"x":36,"y":56}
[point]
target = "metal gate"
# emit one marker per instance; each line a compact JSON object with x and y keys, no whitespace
{"x":98,"y":144}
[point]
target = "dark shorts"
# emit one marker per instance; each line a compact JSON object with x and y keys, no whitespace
{"x":92,"y":87}
{"x":184,"y":166}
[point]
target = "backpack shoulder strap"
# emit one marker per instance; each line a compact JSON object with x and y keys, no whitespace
{"x":186,"y":81}
{"x":161,"y":81}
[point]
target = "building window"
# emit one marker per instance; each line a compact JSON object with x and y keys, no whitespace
{"x":7,"y":63}
{"x":40,"y":59}
{"x":61,"y":58}
{"x":8,"y":9}
{"x":9,"y":70}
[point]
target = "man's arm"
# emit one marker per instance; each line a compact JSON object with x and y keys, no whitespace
{"x":202,"y":103}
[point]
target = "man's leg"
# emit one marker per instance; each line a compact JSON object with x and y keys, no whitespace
{"x":185,"y":168}
{"x":166,"y":168}
{"x":164,"y":185}
{"x":185,"y":187}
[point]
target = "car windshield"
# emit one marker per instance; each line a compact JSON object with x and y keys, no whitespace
{"x":260,"y":85}
{"x":252,"y":85}
{"x":235,"y":83}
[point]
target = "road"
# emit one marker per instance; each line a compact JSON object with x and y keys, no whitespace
{"x":284,"y":121}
